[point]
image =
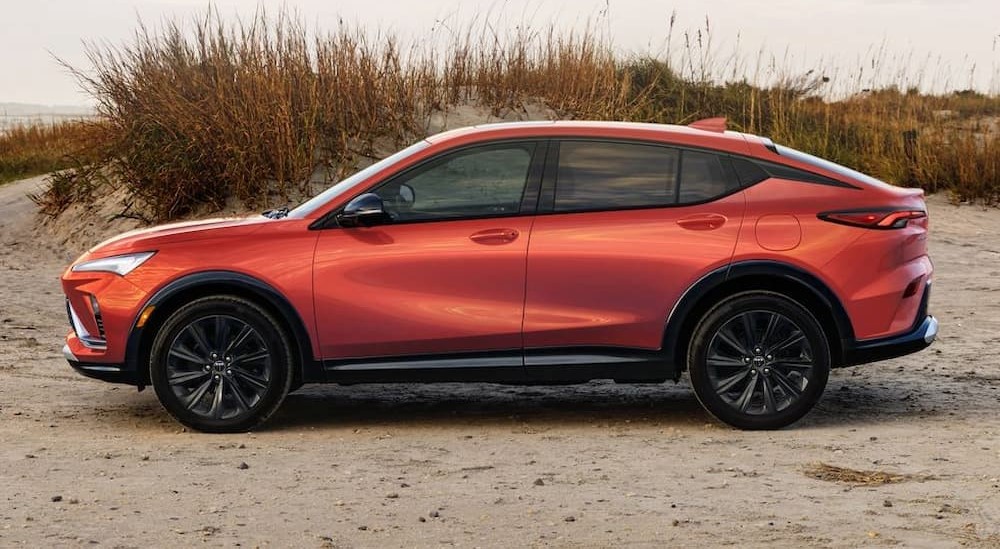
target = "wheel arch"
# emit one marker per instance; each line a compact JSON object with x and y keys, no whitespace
{"x":788,"y":280}
{"x":190,"y":287}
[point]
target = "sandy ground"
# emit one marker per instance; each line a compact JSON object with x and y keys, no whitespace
{"x":83,"y":462}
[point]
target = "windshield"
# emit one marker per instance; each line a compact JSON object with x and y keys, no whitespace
{"x":829,"y":166}
{"x":340,"y":188}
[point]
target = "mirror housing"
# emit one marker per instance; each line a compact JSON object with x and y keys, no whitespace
{"x":366,"y":210}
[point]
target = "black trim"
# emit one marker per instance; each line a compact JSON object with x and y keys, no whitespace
{"x":311,"y":372}
{"x":693,"y":296}
{"x":493,"y":366}
{"x":533,"y":366}
{"x":783,"y":171}
{"x":582,"y":364}
{"x":917,"y":339}
{"x":921,"y":334}
{"x":111,"y":373}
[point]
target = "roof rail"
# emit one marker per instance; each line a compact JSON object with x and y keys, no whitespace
{"x":717,"y":125}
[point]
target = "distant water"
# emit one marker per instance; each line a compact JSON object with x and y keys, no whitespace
{"x":20,"y":114}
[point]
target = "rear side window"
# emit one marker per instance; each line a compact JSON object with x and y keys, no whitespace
{"x":703,"y":177}
{"x":603,"y":176}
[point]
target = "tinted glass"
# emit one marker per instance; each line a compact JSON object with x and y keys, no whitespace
{"x":748,"y":172}
{"x":843,"y":171}
{"x":481,"y":182}
{"x":321,"y":199}
{"x":599,"y":176}
{"x":703,"y":178}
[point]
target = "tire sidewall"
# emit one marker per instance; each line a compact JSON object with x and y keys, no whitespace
{"x":258,"y":319}
{"x":716,"y":317}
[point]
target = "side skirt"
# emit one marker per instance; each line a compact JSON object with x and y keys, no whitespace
{"x":532,"y":367}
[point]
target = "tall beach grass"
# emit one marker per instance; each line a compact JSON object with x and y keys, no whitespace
{"x":202,"y":112}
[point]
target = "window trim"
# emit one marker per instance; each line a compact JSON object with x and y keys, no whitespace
{"x":529,"y":197}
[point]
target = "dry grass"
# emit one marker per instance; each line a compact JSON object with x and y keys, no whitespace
{"x":31,"y":150}
{"x":195,"y":115}
{"x":832,"y":473}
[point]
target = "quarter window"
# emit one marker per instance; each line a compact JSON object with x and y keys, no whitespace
{"x":480,"y":182}
{"x":601,"y":176}
{"x":703,"y":177}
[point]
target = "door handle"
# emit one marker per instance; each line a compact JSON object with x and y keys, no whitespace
{"x":702,"y":222}
{"x":495,"y":236}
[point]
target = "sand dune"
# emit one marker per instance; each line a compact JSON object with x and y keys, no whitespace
{"x":913,"y":445}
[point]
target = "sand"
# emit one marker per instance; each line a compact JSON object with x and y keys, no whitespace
{"x":904,"y":452}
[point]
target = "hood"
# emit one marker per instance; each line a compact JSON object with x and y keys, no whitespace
{"x":181,"y":232}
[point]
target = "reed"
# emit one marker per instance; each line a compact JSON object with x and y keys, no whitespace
{"x":197,"y":114}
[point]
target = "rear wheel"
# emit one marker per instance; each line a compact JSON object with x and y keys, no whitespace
{"x":221,"y":364}
{"x":758,"y":360}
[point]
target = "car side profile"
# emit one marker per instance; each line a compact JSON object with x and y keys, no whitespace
{"x":523,"y":253}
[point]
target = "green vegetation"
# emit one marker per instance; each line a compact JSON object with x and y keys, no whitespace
{"x":197,"y":115}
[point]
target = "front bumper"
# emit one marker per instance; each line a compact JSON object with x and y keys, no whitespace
{"x":113,"y":373}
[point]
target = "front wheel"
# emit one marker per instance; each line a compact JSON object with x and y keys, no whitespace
{"x":221,"y":364}
{"x":758,"y":360}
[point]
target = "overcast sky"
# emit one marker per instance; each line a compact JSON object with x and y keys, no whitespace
{"x":947,"y":37}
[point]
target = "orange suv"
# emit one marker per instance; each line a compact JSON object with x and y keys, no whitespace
{"x":556,"y":252}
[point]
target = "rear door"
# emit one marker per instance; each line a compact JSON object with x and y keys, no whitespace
{"x":623,"y":229}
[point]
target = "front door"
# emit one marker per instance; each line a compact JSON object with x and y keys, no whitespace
{"x":446,"y":275}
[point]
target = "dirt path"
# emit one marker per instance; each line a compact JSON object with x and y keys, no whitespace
{"x":82,"y":462}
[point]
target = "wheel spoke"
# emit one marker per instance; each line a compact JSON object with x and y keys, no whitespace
{"x":769,"y":405}
{"x":772,"y":323}
{"x":216,"y":410}
{"x":729,"y":340}
{"x":794,"y":338}
{"x":728,"y":383}
{"x":241,"y":400}
{"x":199,"y":336}
{"x":786,"y":384}
{"x":256,"y":381}
{"x":221,"y":332}
{"x":181,"y":351}
{"x":240,"y":338}
{"x":718,"y":361}
{"x":744,"y":401}
{"x":749,"y":331}
{"x":197,"y":394}
{"x":794,"y":364}
{"x":252,"y":357}
{"x":180,"y":379}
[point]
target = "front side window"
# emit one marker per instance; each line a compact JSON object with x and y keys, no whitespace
{"x":481,"y":182}
{"x":603,"y":176}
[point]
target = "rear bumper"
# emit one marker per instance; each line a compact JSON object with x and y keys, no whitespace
{"x":883,"y":349}
{"x":112,"y":373}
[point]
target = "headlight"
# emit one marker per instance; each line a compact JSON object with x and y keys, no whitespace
{"x":118,"y":264}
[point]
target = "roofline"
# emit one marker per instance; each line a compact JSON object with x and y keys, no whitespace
{"x":663,"y":133}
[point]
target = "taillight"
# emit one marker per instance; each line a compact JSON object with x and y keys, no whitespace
{"x":873,"y":219}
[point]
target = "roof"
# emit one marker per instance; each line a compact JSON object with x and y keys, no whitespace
{"x":666,"y":133}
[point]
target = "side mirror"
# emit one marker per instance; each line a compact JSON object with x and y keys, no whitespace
{"x":365,"y":210}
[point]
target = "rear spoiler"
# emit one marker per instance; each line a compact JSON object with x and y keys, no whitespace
{"x":717,"y":125}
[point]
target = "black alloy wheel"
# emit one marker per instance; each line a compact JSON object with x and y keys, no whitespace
{"x":221,"y":364}
{"x":759,"y":360}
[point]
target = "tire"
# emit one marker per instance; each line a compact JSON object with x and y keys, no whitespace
{"x":758,"y":360}
{"x":221,"y":364}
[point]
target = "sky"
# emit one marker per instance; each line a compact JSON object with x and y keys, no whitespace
{"x":939,"y":44}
